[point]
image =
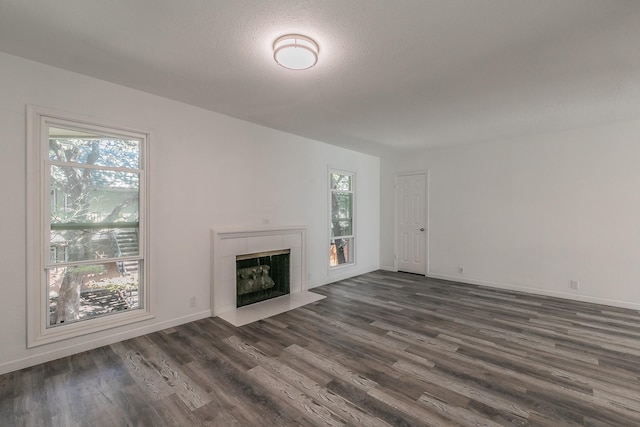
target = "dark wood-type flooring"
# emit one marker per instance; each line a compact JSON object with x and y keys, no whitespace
{"x":382,"y":349}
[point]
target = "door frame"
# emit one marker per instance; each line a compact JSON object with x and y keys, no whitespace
{"x":426,"y":219}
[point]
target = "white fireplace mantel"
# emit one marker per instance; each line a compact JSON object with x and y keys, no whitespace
{"x":227,"y":243}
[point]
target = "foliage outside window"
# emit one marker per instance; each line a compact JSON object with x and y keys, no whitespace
{"x":341,"y":250}
{"x":93,"y":216}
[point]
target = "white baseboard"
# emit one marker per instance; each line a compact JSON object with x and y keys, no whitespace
{"x":536,"y":291}
{"x":388,"y":268}
{"x":48,"y":356}
{"x":342,"y":274}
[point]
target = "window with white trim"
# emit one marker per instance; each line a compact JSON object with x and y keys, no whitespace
{"x":342,"y":202}
{"x":88,"y":202}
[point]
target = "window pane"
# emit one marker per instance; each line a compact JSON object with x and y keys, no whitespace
{"x":340,"y":182}
{"x":340,"y":252}
{"x":81,"y":195}
{"x":341,"y":214}
{"x":81,"y":147}
{"x":341,"y":249}
{"x":341,"y":228}
{"x":83,"y":292}
{"x":94,"y":214}
{"x":341,"y":204}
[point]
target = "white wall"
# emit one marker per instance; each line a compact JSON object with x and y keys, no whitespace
{"x":534,"y":213}
{"x":208,"y":170}
{"x":390,"y":165}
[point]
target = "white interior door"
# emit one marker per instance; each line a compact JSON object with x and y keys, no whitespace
{"x":411,"y":228}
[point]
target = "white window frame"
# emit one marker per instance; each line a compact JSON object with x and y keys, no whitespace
{"x":38,"y":204}
{"x":352,"y":236}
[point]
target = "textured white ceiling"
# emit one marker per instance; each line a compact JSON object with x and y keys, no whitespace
{"x":401,"y":74}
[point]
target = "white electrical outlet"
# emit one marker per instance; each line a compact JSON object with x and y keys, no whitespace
{"x":461,"y":270}
{"x":193,"y":301}
{"x":575,"y":284}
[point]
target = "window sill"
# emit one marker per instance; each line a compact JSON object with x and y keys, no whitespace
{"x":341,"y":267}
{"x":59,"y":333}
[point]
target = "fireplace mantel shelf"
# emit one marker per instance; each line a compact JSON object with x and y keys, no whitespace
{"x":235,"y":233}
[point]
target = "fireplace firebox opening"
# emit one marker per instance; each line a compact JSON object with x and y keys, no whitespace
{"x":262,"y":276}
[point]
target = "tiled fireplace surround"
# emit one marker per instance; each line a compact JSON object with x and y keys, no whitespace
{"x":227,"y":243}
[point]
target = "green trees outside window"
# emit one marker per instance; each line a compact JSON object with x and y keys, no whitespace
{"x":341,"y":250}
{"x":94,"y":267}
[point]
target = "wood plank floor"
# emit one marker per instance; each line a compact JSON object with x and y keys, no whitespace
{"x":382,"y":349}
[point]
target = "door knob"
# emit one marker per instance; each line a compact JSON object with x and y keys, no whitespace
{"x":422,"y":229}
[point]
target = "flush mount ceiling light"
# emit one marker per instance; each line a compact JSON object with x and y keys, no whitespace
{"x":295,"y":52}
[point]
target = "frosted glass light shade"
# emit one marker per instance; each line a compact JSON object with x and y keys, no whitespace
{"x":295,"y":52}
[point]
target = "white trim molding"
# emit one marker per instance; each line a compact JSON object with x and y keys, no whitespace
{"x":38,"y":331}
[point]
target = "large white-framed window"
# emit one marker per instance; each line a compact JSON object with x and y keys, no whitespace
{"x":341,"y":218}
{"x":88,"y":226}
